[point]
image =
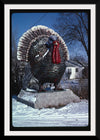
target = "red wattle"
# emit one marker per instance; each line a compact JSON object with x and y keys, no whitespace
{"x":56,"y":54}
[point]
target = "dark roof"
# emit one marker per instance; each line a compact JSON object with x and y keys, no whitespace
{"x":71,"y":63}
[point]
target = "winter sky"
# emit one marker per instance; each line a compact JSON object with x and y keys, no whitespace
{"x":22,"y":21}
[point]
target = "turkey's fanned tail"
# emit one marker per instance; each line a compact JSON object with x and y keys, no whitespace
{"x":31,"y":36}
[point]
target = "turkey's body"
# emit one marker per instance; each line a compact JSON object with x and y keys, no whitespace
{"x":39,"y":56}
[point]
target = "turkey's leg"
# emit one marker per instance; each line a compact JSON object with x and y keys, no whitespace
{"x":41,"y":87}
{"x":58,"y":86}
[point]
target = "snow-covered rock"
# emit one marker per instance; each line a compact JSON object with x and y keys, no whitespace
{"x":50,"y":99}
{"x":55,"y":99}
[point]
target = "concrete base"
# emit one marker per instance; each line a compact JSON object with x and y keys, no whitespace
{"x":55,"y":99}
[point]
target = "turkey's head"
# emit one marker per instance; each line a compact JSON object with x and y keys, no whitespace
{"x":50,"y":41}
{"x":53,"y":45}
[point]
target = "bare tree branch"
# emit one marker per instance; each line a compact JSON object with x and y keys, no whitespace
{"x":73,"y":27}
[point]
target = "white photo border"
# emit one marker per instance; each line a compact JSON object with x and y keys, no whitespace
{"x":7,"y":8}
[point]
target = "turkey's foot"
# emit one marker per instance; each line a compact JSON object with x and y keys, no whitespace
{"x":41,"y":89}
{"x":58,"y":87}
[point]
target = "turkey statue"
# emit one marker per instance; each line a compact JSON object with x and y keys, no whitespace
{"x":45,"y":53}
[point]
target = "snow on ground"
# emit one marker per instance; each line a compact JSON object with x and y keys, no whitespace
{"x":73,"y":114}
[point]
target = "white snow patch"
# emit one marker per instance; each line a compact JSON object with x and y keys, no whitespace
{"x":73,"y":114}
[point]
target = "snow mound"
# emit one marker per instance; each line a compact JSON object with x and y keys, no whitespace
{"x":73,"y":114}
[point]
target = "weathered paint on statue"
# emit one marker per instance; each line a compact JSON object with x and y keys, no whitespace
{"x":46,"y":53}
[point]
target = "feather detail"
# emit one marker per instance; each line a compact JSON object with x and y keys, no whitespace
{"x":34,"y":34}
